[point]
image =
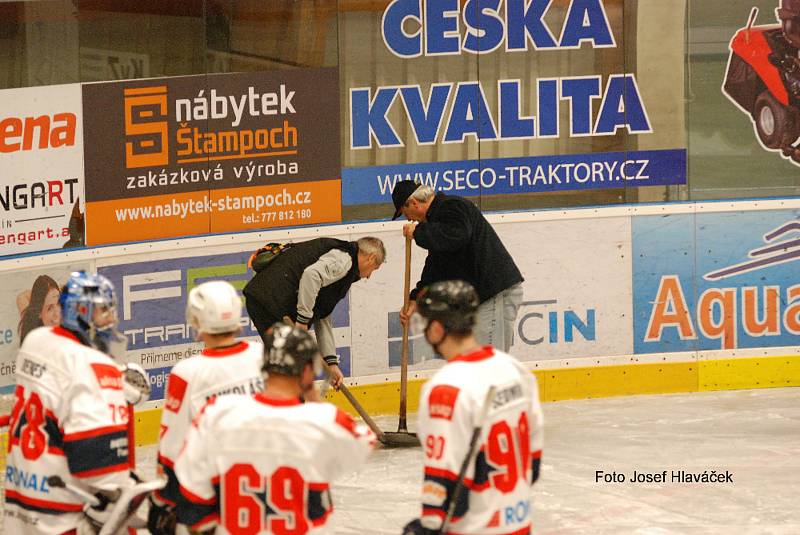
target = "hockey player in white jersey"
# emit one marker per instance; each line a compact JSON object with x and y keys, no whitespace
{"x":70,"y":416}
{"x":225,"y":366}
{"x":264,"y":464}
{"x":494,"y":498}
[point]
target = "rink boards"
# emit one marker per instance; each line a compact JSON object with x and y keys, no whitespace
{"x":617,"y":301}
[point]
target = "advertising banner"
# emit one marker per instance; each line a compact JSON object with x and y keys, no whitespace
{"x":528,"y":174}
{"x":515,"y":97}
{"x":41,"y":169}
{"x":745,"y":97}
{"x":572,"y":307}
{"x":716,"y":281}
{"x":28,"y":299}
{"x":152,"y":294}
{"x":186,"y":155}
{"x":761,"y":78}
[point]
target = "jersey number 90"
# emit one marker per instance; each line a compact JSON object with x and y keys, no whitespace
{"x":501,"y":451}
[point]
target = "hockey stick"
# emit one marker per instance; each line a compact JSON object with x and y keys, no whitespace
{"x":402,"y":438}
{"x":357,"y":406}
{"x":401,"y":428}
{"x":125,"y":503}
{"x":57,"y":483}
{"x":469,"y":459}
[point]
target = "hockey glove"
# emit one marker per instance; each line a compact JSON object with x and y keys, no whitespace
{"x":98,"y":515}
{"x":415,"y":527}
{"x":161,"y":519}
{"x":135,"y":384}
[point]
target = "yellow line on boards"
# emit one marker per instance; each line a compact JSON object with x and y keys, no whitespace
{"x":577,"y":383}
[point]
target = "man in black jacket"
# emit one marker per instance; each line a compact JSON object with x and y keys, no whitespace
{"x":304,"y":283}
{"x":461,"y":244}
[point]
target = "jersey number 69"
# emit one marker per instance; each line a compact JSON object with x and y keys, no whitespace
{"x":247,"y":495}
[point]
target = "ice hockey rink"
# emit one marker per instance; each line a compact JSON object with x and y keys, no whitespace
{"x":752,"y":434}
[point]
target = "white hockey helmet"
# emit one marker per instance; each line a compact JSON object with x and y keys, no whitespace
{"x":214,"y":308}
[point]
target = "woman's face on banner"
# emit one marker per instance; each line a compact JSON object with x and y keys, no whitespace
{"x":51,"y":311}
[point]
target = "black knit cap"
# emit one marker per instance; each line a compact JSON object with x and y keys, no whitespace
{"x":452,"y":303}
{"x":400,"y":194}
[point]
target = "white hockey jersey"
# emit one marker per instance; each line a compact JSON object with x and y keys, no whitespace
{"x":194,"y":381}
{"x":264,"y":465}
{"x":69,"y":419}
{"x":496,"y":496}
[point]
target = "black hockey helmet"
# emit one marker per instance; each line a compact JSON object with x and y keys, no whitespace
{"x":789,"y":15}
{"x":287,"y":349}
{"x":453,"y":303}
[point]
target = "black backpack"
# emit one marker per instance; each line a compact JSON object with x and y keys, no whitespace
{"x":263,"y":256}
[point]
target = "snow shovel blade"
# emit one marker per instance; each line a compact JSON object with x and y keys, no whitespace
{"x":400,"y":439}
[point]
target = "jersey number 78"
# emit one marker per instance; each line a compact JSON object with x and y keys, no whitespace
{"x":32,"y":438}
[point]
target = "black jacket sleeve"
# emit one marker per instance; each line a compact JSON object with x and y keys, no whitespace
{"x":429,"y":276}
{"x":451,"y":231}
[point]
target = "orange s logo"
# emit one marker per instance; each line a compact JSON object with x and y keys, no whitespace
{"x":146,"y":127}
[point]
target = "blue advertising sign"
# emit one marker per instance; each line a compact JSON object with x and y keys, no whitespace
{"x":153,"y":295}
{"x":372,"y":185}
{"x":535,"y":85}
{"x":152,"y":308}
{"x":716,"y":281}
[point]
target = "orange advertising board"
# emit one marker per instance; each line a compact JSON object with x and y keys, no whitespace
{"x":189,"y":155}
{"x":226,"y":210}
{"x":147,"y":218}
{"x":285,"y":205}
{"x":41,"y":169}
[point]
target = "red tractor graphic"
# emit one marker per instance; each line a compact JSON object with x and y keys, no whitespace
{"x":763,"y":78}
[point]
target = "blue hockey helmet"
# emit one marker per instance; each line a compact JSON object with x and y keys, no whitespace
{"x":82,"y":295}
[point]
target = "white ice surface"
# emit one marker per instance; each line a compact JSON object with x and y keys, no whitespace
{"x":754,"y":434}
